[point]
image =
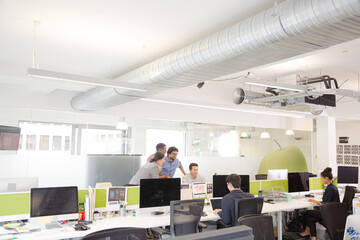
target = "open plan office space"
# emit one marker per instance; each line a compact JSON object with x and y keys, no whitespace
{"x":89,"y":88}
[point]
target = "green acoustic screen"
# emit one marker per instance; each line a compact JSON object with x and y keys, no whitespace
{"x":290,"y":158}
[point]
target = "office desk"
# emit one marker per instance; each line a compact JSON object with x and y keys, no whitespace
{"x":143,"y":219}
{"x":352,"y":228}
{"x":280,"y":206}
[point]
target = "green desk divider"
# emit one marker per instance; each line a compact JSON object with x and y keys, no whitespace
{"x":81,"y":195}
{"x":316,"y":184}
{"x":133,"y":196}
{"x":14,"y":204}
{"x":268,"y":184}
{"x":100,"y":198}
{"x":255,"y":187}
{"x":19,"y":203}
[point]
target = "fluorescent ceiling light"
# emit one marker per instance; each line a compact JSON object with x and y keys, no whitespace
{"x":67,"y":77}
{"x":244,"y":135}
{"x":265,"y":134}
{"x":284,"y":86}
{"x":273,"y":113}
{"x":122,"y":126}
{"x":289,"y":132}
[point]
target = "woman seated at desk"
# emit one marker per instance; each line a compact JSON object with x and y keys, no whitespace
{"x":150,"y":169}
{"x":313,"y":216}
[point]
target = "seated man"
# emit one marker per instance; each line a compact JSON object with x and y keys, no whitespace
{"x":193,"y":176}
{"x":227,"y":211}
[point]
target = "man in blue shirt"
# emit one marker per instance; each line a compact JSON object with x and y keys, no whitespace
{"x":171,"y":163}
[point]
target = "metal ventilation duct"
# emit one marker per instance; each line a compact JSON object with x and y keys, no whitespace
{"x":291,"y":28}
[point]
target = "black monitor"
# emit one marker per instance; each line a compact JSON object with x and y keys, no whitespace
{"x":60,"y":203}
{"x":220,"y":187}
{"x":298,"y":182}
{"x":159,"y":192}
{"x":348,"y":175}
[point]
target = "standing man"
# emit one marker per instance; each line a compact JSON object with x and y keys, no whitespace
{"x":193,"y":176}
{"x":227,"y":211}
{"x":160,"y":147}
{"x":171,"y":163}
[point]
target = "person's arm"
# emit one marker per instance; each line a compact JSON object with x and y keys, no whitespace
{"x":182,"y":169}
{"x":163,"y":176}
{"x":226,"y":211}
{"x":315,"y":201}
{"x":154,"y":172}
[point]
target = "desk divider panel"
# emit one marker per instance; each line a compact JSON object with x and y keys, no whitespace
{"x":100,"y":198}
{"x":268,"y":184}
{"x":14,"y":203}
{"x":255,"y":187}
{"x":133,"y":196}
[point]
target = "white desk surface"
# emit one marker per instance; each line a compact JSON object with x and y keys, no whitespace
{"x":143,"y":219}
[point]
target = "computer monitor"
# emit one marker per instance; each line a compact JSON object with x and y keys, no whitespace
{"x":277,"y":174}
{"x":199,"y":189}
{"x":159,"y":192}
{"x":298,"y":182}
{"x":348,"y":175}
{"x":114,"y":196}
{"x":220,"y":187}
{"x":53,"y":204}
{"x":22,"y":184}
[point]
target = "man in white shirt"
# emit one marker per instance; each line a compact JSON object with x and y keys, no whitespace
{"x":193,"y":176}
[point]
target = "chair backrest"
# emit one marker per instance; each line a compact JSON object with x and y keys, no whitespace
{"x":185,"y":216}
{"x":118,"y":234}
{"x":262,"y":226}
{"x":349,"y":196}
{"x":245,"y":206}
{"x":260,"y":176}
{"x":334,"y":216}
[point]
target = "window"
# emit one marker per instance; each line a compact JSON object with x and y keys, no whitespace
{"x":67,"y":143}
{"x":44,"y":142}
{"x":56,"y":145}
{"x":30,"y":142}
{"x":169,"y":137}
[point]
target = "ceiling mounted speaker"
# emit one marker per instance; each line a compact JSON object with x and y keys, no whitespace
{"x":238,"y":96}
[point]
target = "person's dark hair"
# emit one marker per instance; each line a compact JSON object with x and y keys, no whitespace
{"x":192,"y":165}
{"x":234,"y":179}
{"x":157,"y":156}
{"x":327,"y":173}
{"x":172,"y":149}
{"x":160,"y":146}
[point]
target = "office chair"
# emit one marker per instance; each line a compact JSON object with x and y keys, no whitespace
{"x":262,"y":226}
{"x":246,"y":206}
{"x":261,"y":176}
{"x":348,"y":198}
{"x":118,"y":234}
{"x":184,"y":217}
{"x":334,"y":216}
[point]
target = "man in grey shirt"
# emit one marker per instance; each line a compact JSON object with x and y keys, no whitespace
{"x":149,"y":170}
{"x":193,"y":176}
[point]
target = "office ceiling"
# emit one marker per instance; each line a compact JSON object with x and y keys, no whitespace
{"x":111,"y":38}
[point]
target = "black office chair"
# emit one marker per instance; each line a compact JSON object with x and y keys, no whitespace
{"x":334,"y":216}
{"x":118,"y":234}
{"x":184,"y":217}
{"x":262,"y":226}
{"x":261,"y":176}
{"x":348,"y":197}
{"x":246,"y":206}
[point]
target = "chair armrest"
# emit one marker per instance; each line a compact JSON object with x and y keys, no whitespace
{"x":160,"y":231}
{"x":221,"y":224}
{"x":201,"y":226}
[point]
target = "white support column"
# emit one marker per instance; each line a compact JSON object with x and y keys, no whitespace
{"x":326,"y":144}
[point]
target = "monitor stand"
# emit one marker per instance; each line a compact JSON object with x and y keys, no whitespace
{"x":52,"y":225}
